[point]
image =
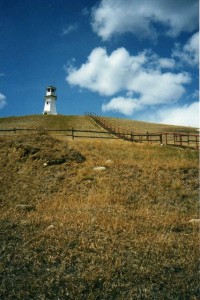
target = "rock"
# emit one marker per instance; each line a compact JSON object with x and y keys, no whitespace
{"x":45,"y":164}
{"x":25,"y":207}
{"x":50,"y":227}
{"x":109,"y":162}
{"x":77,"y":157}
{"x":25,"y":222}
{"x":56,"y":161}
{"x":194,"y":221}
{"x":99,"y":168}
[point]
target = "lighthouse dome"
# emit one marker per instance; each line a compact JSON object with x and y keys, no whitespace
{"x":50,"y":90}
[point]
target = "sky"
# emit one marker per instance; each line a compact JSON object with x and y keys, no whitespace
{"x":134,"y":59}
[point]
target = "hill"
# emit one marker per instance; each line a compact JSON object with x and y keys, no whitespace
{"x":70,"y":231}
{"x":47,"y":122}
{"x":143,"y":127}
{"x":86,"y":123}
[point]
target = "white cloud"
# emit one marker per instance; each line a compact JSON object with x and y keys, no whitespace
{"x":156,"y":88}
{"x":190,"y":52}
{"x":195,"y":95}
{"x":112,"y":17}
{"x":187,"y":115}
{"x":2,"y":101}
{"x":126,"y":106}
{"x":167,"y":63}
{"x":192,"y":47}
{"x":70,"y":28}
{"x":105,"y":74}
{"x":120,"y":72}
{"x":172,"y":114}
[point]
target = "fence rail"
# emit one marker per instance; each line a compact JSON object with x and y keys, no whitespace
{"x":73,"y":133}
{"x":116,"y":132}
{"x":169,"y":138}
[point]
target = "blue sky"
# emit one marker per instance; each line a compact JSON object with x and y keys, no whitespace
{"x":129,"y":59}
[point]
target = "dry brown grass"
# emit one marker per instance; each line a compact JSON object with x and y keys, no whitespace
{"x":57,"y":123}
{"x":143,"y":127}
{"x":122,"y":233}
{"x":84,"y":122}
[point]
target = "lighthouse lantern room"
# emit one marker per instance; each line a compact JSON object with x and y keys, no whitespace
{"x":50,"y":101}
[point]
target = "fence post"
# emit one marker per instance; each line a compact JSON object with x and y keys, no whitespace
{"x":161,"y":139}
{"x":132,"y":136}
{"x":181,"y":140}
{"x":166,"y":138}
{"x":147,"y":136}
{"x":72,"y":133}
{"x":14,"y":129}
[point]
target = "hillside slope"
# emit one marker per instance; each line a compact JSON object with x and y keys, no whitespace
{"x":48,"y":122}
{"x":85,"y":123}
{"x":143,"y":127}
{"x":71,"y":232}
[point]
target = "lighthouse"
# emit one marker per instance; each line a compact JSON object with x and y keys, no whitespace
{"x":50,"y":101}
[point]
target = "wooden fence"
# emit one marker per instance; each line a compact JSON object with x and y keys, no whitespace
{"x":115,"y":132}
{"x":181,"y":139}
{"x":169,"y":138}
{"x":73,"y":133}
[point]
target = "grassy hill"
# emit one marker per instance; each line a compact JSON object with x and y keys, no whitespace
{"x":143,"y":127}
{"x":47,"y":122}
{"x":69,"y":231}
{"x":84,"y":122}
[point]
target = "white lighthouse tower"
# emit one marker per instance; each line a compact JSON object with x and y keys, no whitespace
{"x":50,"y":101}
